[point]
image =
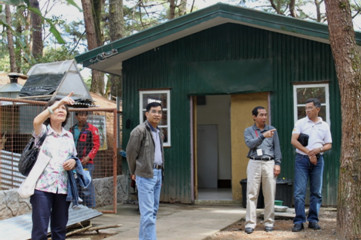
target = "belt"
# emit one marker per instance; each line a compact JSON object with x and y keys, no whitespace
{"x":156,"y":166}
{"x":262,"y":158}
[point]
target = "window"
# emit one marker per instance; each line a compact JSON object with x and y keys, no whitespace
{"x":303,"y":92}
{"x":161,"y":96}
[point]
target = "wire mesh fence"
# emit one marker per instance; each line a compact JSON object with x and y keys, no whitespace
{"x":16,"y":127}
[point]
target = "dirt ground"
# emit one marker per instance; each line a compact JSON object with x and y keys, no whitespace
{"x":88,"y":235}
{"x":282,"y":230}
{"x":235,"y":231}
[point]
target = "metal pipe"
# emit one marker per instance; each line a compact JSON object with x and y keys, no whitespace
{"x":21,"y":101}
{"x":115,"y":162}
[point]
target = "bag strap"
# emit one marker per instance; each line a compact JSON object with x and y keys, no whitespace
{"x":42,"y":139}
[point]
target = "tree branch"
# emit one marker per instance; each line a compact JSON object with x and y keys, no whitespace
{"x":292,"y":8}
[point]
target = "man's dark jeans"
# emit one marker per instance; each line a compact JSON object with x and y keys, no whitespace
{"x":305,"y":170}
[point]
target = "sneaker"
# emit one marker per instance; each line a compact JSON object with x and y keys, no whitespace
{"x":268,"y":229}
{"x":248,"y":230}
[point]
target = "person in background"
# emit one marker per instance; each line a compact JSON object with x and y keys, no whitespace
{"x":145,"y":158}
{"x":309,"y":164}
{"x":263,"y":167}
{"x":51,"y":189}
{"x":86,"y":138}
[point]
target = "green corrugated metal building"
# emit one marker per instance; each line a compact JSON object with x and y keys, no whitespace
{"x":209,"y":69}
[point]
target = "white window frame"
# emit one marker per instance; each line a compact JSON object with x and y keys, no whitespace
{"x":142,"y":110}
{"x":326,"y":104}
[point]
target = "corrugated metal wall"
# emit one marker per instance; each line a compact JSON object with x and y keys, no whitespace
{"x":303,"y":61}
{"x":291,"y":60}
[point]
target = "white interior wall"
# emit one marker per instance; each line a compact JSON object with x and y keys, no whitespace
{"x":217,"y":111}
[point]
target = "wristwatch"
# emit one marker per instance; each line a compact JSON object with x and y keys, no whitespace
{"x":321,"y":149}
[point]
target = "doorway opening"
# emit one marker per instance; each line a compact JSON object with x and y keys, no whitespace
{"x":213,"y":148}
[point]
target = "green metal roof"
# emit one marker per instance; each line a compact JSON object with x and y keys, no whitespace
{"x":108,"y":58}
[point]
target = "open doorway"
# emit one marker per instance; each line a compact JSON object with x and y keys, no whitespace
{"x":213,"y":169}
{"x":220,"y":152}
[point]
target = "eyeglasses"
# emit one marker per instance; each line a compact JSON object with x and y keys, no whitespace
{"x":156,"y":112}
{"x":310,"y":108}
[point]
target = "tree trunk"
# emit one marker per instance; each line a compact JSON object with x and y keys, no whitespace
{"x":89,"y":24}
{"x":116,"y":19}
{"x":172,"y":6}
{"x":97,"y":83}
{"x":97,"y":7}
{"x":10,"y":40}
{"x":292,"y":6}
{"x":36,"y":29}
{"x":19,"y":31}
{"x":347,"y":57}
{"x":116,"y":29}
{"x":277,"y":7}
{"x":318,"y":10}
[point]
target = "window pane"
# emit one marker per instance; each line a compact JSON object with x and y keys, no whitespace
{"x":305,"y":93}
{"x":164,"y":118}
{"x":144,"y":117}
{"x":322,"y":113}
{"x":161,"y":97}
{"x":155,"y":97}
{"x":301,"y":113}
{"x":165,"y":133}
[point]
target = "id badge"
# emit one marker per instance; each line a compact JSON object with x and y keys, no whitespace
{"x":259,"y":152}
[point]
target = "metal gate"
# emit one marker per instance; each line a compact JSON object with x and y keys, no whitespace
{"x":16,"y":127}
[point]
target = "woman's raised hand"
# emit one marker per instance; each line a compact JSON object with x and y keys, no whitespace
{"x":67,"y":100}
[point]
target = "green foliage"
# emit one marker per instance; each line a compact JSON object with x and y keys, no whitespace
{"x":71,"y":2}
{"x":55,"y":46}
{"x":305,"y":9}
{"x":88,"y":81}
{"x":140,"y":15}
{"x":4,"y":60}
{"x":50,"y":55}
{"x":26,"y":6}
{"x":56,"y":34}
{"x":56,"y":54}
{"x":13,"y":2}
{"x":342,"y":5}
{"x":67,"y":39}
{"x":355,"y":7}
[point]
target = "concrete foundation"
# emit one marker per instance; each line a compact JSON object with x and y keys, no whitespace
{"x":12,"y":205}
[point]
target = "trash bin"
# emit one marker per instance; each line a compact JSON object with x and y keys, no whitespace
{"x":260,"y":201}
{"x":284,"y":192}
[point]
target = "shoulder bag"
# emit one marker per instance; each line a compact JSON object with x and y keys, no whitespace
{"x":29,"y":155}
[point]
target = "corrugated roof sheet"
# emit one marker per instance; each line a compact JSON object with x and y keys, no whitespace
{"x":19,"y":228}
{"x":108,"y":58}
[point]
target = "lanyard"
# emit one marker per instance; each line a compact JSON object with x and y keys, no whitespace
{"x":255,"y":131}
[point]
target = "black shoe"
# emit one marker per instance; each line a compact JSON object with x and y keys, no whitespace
{"x":314,"y":225}
{"x":297,"y":227}
{"x":268,"y":229}
{"x":248,"y":230}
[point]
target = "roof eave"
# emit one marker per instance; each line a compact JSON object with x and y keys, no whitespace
{"x":123,"y":49}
